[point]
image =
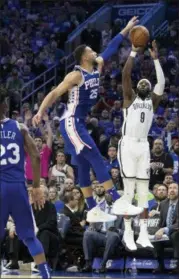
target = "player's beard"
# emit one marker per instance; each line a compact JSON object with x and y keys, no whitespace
{"x":143,"y":94}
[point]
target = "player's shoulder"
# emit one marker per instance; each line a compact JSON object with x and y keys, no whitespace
{"x":9,"y":121}
{"x":74,"y":76}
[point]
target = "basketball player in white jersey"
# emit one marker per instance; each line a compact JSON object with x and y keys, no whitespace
{"x":133,"y":152}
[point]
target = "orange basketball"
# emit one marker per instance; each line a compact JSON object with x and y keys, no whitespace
{"x":139,"y":36}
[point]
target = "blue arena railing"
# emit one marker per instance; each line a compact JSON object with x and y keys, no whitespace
{"x":162,"y":30}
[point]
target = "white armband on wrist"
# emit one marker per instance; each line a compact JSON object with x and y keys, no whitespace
{"x":133,"y":54}
{"x":160,"y":86}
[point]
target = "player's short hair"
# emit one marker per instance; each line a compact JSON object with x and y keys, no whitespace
{"x":79,"y":51}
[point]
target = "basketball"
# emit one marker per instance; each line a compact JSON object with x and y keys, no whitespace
{"x":139,"y":36}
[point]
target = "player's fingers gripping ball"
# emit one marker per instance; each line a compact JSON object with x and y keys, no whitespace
{"x":139,"y":36}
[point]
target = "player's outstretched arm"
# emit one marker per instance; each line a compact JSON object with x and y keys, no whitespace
{"x":113,"y":46}
{"x":160,"y":86}
{"x":72,"y":79}
{"x":128,"y":92}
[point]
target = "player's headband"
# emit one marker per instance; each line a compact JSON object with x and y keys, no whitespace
{"x":146,"y":80}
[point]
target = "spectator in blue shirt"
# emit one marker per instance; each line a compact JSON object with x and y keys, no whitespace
{"x":115,"y":128}
{"x":157,"y":127}
{"x":112,"y":161}
{"x":116,"y":110}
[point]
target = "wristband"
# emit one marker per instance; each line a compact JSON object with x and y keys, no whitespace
{"x":133,"y":53}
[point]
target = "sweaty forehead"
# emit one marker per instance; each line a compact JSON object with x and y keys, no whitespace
{"x":144,"y":82}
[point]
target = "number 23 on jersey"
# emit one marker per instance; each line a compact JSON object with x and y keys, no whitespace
{"x":14,"y":158}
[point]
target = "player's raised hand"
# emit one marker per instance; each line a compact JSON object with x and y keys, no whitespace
{"x":136,"y":49}
{"x":36,"y":119}
{"x":154,"y":50}
{"x":38,"y":198}
{"x":132,"y":22}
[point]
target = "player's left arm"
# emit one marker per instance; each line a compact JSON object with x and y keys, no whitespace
{"x":113,"y":46}
{"x":160,"y":86}
{"x":31,"y":149}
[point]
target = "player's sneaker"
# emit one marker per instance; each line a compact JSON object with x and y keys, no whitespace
{"x":34,"y":268}
{"x":128,"y":240}
{"x":144,"y":241}
{"x":12,"y":266}
{"x":96,"y":215}
{"x":123,"y":207}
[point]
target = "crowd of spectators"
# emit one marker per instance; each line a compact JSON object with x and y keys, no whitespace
{"x":32,"y":39}
{"x":59,"y":177}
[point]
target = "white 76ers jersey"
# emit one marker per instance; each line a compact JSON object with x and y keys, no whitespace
{"x":138,"y":118}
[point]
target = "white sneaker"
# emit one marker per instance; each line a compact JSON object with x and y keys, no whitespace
{"x":144,"y":240}
{"x":128,"y":240}
{"x":123,"y":207}
{"x":96,"y":215}
{"x":34,"y":268}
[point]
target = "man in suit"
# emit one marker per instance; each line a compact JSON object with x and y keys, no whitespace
{"x":76,"y":230}
{"x":106,"y":235}
{"x":169,"y":225}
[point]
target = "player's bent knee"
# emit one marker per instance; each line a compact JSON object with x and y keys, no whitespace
{"x":34,"y":246}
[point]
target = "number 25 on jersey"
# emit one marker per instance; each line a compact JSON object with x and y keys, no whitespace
{"x":14,"y":159}
{"x":94,"y":94}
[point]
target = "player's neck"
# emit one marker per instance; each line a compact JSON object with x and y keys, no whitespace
{"x":87,"y":67}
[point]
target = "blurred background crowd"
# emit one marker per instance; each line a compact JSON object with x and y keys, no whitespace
{"x":32,"y":40}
